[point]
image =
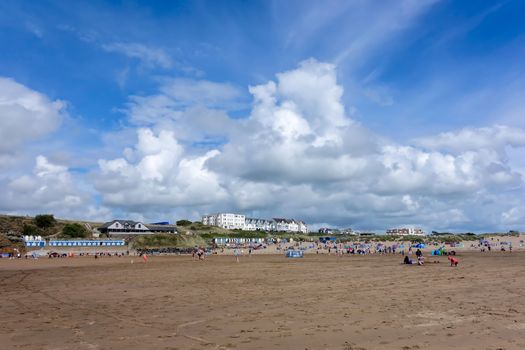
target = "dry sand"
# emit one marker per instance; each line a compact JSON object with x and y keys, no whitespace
{"x":263,"y":302}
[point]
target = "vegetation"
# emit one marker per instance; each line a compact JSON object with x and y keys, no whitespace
{"x":31,"y":230}
{"x":196,"y":234}
{"x":45,"y":221}
{"x":447,"y":239}
{"x":168,"y":240}
{"x":41,"y":225}
{"x":348,"y":238}
{"x":414,"y":239}
{"x":183,"y":223}
{"x":377,"y":238}
{"x":234,"y":234}
{"x":75,"y":230}
{"x":199,"y":226}
{"x":11,"y":241}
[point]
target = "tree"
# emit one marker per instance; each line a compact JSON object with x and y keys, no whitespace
{"x":30,"y":230}
{"x":183,"y":223}
{"x":75,"y":231}
{"x":45,"y":220}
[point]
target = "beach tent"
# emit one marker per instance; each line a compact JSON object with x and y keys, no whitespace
{"x":440,"y":251}
{"x":294,"y":254}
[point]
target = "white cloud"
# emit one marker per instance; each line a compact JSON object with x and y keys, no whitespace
{"x":50,"y":188}
{"x":150,"y":56}
{"x":305,"y":157}
{"x":296,"y":154}
{"x":299,"y":155}
{"x":416,"y":171}
{"x":156,"y":173}
{"x":25,"y":115}
{"x":473,"y":139}
{"x":194,"y":109}
{"x":515,"y":215}
{"x":188,"y":92}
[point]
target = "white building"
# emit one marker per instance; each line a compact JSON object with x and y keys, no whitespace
{"x":302,"y":227}
{"x":225,"y":220}
{"x":210,"y":220}
{"x":238,"y":221}
{"x":289,"y":225}
{"x":410,"y":231}
{"x":253,"y":224}
{"x":280,"y":225}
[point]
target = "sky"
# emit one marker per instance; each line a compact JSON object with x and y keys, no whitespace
{"x":362,"y":114}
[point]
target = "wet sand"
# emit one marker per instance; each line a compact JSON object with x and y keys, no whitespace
{"x":263,"y":302}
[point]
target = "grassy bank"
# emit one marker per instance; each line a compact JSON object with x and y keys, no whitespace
{"x":168,"y":240}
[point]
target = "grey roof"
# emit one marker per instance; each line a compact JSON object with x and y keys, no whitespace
{"x":122,"y":222}
{"x":281,"y":220}
{"x":258,"y":220}
{"x":162,"y":228}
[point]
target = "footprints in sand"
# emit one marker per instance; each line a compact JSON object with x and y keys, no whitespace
{"x":376,"y":307}
{"x":351,"y":346}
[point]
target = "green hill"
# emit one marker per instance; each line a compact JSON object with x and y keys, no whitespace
{"x":27,"y":225}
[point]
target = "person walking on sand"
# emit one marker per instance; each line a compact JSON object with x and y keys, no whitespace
{"x":236,"y":253}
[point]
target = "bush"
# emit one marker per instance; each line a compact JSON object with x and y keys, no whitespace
{"x":414,"y":239}
{"x":31,"y":230}
{"x":75,"y":231}
{"x":183,"y":223}
{"x":45,"y":220}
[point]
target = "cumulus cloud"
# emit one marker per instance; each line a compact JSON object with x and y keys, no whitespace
{"x":299,"y":133}
{"x":25,"y":115}
{"x":412,"y":170}
{"x":298,"y":154}
{"x":473,"y":139}
{"x":194,"y":109}
{"x":157,"y":173}
{"x":513,"y":216}
{"x":49,"y":188}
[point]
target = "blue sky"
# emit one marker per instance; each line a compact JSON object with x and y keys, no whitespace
{"x":152,"y":94}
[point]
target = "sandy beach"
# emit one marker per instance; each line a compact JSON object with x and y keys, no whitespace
{"x":263,"y":302}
